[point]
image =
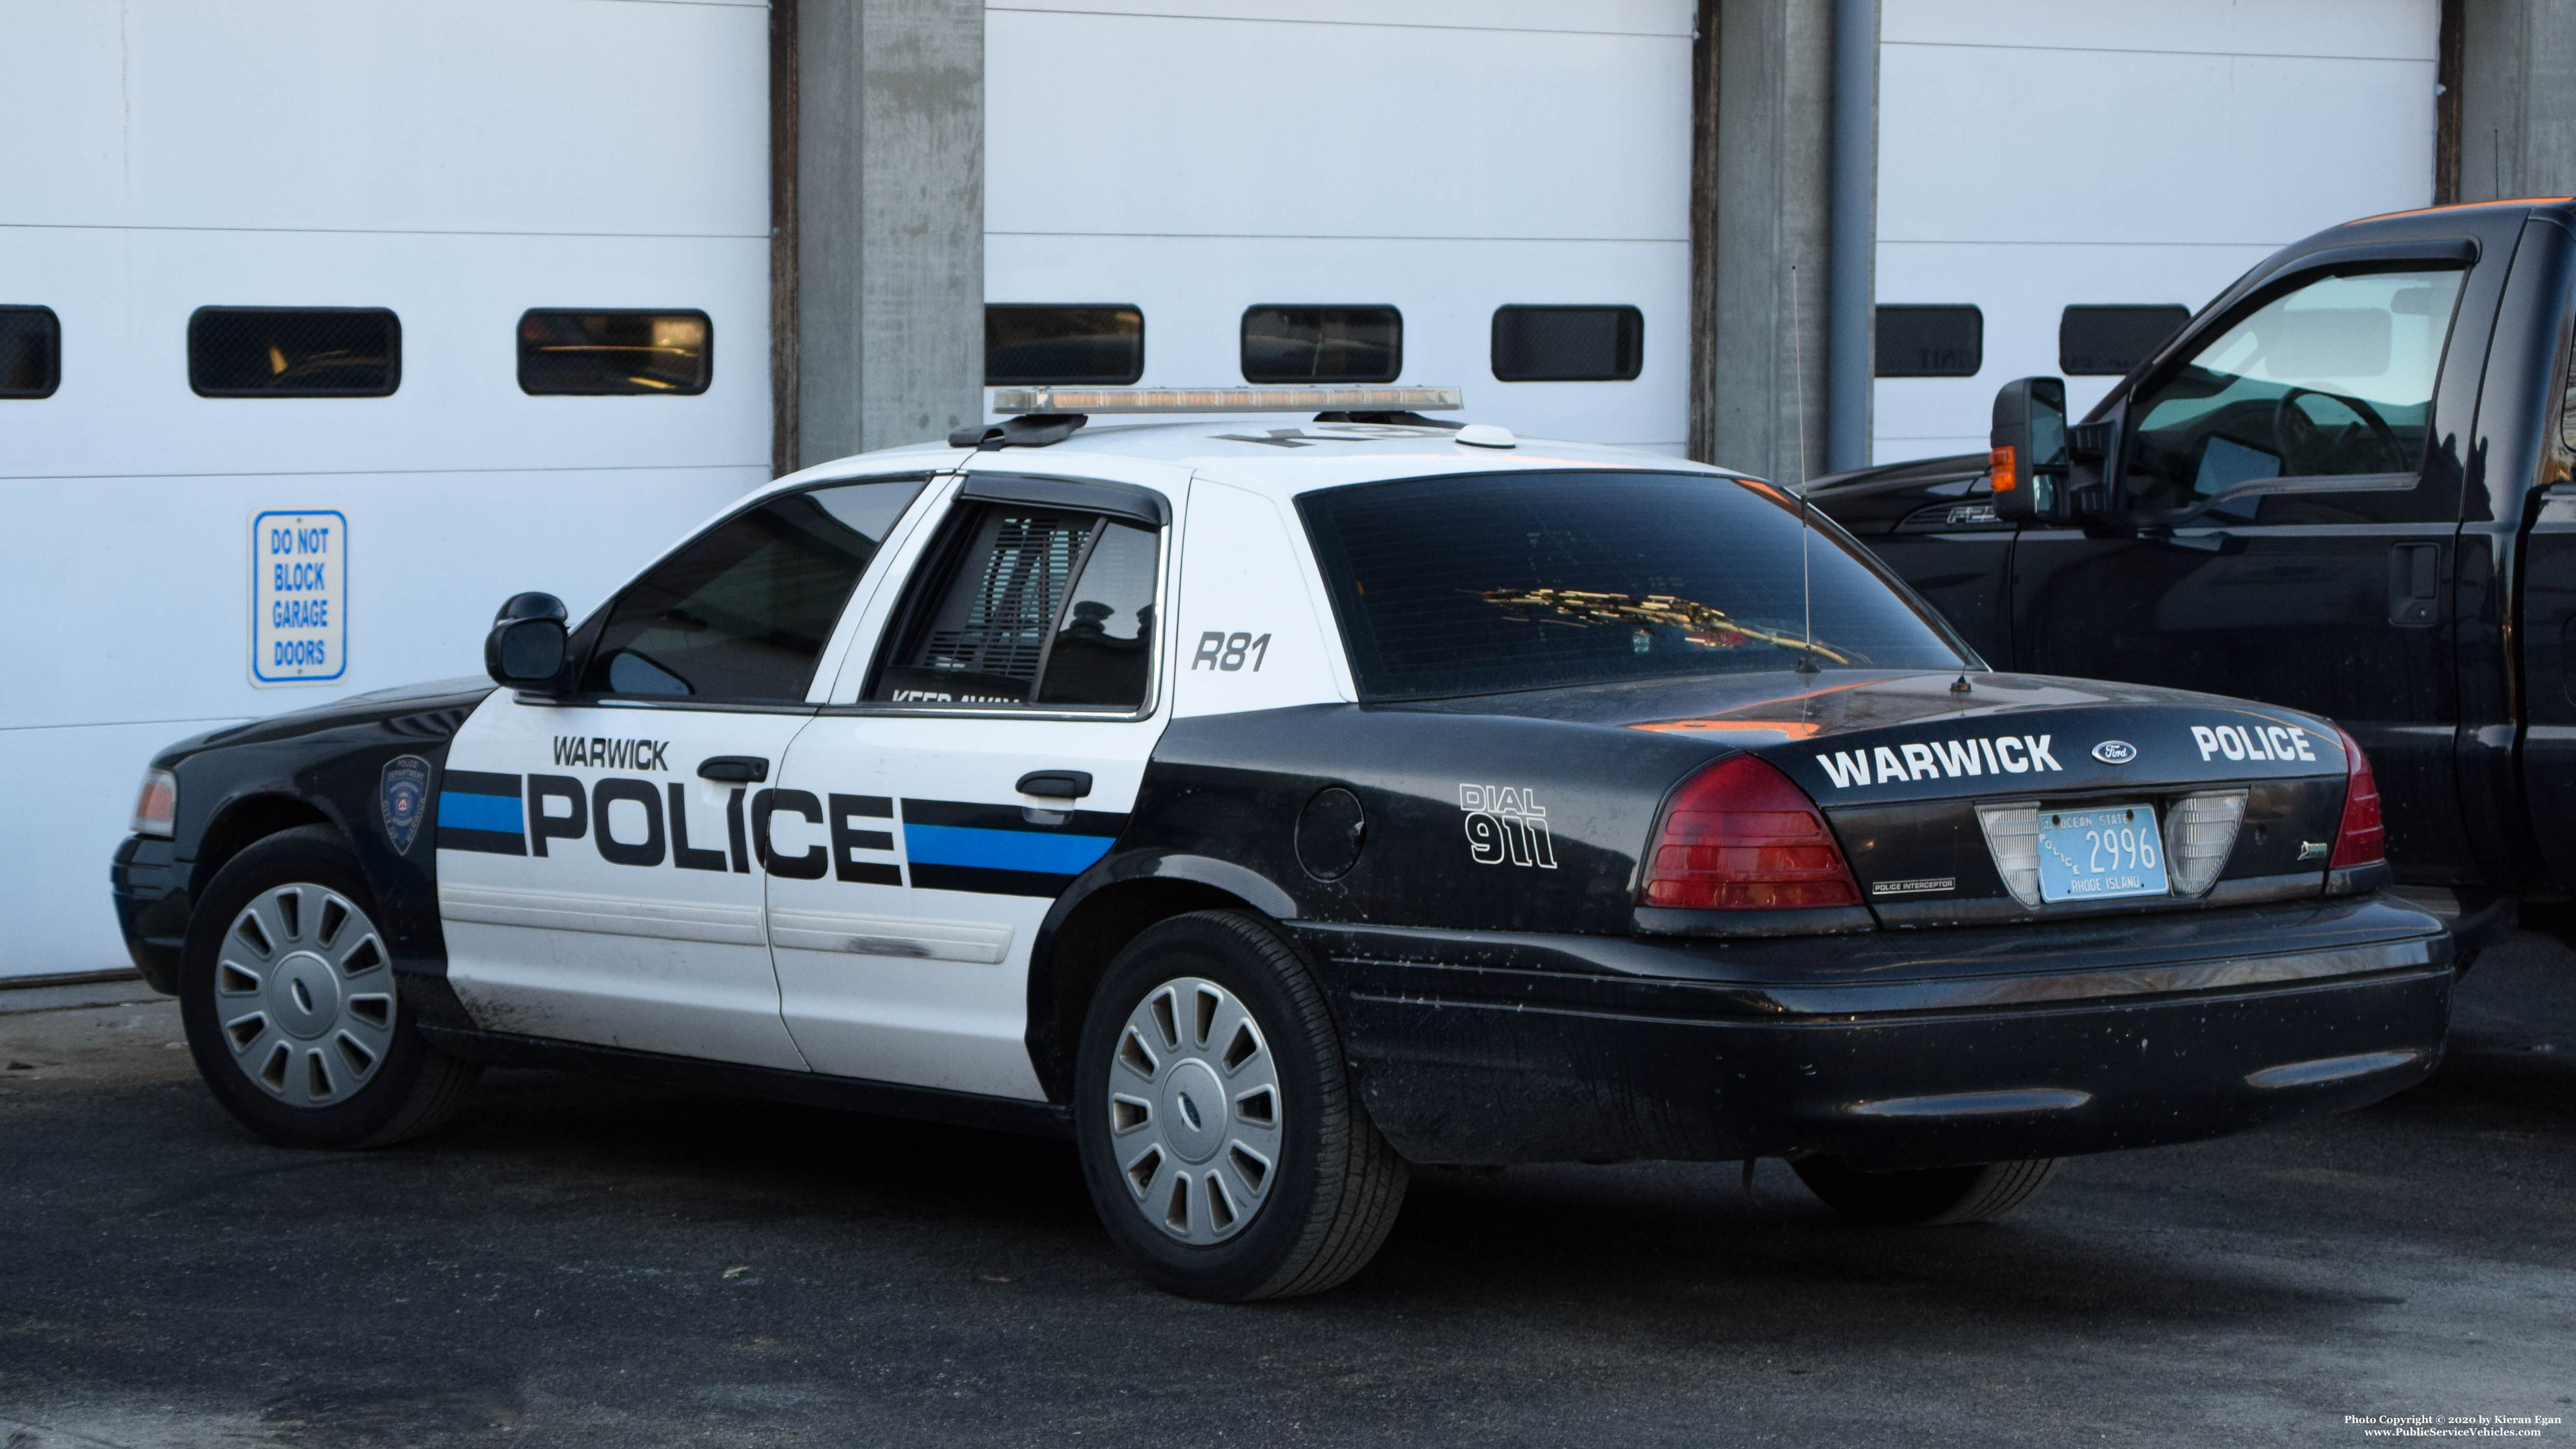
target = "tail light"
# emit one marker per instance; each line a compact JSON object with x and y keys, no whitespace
{"x":1739,"y":837}
{"x":2360,"y":839}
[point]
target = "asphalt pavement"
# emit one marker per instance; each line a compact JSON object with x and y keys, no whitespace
{"x":582,"y":1262}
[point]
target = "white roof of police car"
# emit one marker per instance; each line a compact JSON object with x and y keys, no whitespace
{"x":1214,"y":447}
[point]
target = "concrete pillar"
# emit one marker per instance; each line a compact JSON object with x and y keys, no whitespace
{"x":1851,"y":330}
{"x":889,"y":217}
{"x":2517,"y":99}
{"x":1767,"y":355}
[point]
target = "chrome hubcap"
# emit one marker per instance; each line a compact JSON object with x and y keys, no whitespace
{"x":1195,"y":1111}
{"x":304,"y":995}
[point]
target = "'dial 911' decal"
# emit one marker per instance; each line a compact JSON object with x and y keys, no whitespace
{"x":1505,"y":823}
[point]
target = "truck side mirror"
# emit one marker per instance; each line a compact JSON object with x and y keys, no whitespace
{"x":527,"y":644}
{"x":2028,"y":464}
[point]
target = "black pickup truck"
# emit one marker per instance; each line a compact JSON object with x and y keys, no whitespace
{"x":2345,"y":487}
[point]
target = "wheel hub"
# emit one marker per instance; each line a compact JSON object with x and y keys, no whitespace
{"x":1195,"y":1111}
{"x":304,"y":995}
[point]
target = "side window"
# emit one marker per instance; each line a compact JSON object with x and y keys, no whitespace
{"x":1028,"y":605}
{"x":742,"y":611}
{"x":2331,"y":379}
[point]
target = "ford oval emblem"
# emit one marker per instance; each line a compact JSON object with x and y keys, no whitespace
{"x":2115,"y":752}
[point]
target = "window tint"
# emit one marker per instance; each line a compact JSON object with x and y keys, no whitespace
{"x":2332,"y":378}
{"x":2108,"y":341}
{"x":1322,"y":344}
{"x":742,"y":611}
{"x":1032,"y":345}
{"x":294,"y":352}
{"x":595,"y":353}
{"x":1568,"y":344}
{"x":1027,"y":604}
{"x":1931,"y":341}
{"x":31,"y":352}
{"x":1478,"y":584}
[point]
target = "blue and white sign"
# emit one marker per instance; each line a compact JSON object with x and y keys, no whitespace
{"x":299,"y":597}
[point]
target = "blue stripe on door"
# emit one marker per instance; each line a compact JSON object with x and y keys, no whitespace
{"x":1003,"y":849}
{"x":501,"y":813}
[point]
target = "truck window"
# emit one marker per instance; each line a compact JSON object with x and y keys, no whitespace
{"x":2331,"y":379}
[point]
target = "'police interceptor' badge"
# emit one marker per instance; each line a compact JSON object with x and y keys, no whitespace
{"x":404,"y":798}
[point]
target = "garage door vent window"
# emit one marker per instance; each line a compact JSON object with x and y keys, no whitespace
{"x":294,"y":352}
{"x":2108,"y":341}
{"x":1028,"y":345}
{"x":1931,"y":341}
{"x":1568,"y":344}
{"x":605,"y":353}
{"x":31,"y":352}
{"x":1322,"y":344}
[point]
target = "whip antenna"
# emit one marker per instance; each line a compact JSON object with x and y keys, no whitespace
{"x":1806,"y":578}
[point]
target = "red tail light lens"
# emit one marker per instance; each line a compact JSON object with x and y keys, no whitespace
{"x":1739,"y":837}
{"x":2359,"y":840}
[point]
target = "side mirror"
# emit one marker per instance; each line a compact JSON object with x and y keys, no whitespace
{"x":2028,"y":465}
{"x":527,"y":644}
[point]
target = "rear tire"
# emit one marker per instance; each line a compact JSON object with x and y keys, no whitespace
{"x":286,"y":987}
{"x":1925,"y":1197}
{"x":1224,"y":1146}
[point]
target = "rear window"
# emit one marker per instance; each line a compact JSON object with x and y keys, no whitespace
{"x":1474,"y":585}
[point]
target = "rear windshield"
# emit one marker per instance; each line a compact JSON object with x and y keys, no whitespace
{"x":1472,"y":585}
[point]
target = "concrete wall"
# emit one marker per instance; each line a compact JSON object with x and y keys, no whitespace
{"x":890,"y":222}
{"x":2518,"y":99}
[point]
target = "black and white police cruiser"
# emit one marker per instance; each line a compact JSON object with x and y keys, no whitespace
{"x":1270,"y":808}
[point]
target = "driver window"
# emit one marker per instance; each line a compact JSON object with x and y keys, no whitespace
{"x":742,"y":612}
{"x":2332,"y":379}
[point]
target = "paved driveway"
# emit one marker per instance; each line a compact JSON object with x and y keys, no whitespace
{"x":587,"y":1263}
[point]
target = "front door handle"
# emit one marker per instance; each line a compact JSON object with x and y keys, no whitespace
{"x":734,"y":769}
{"x":2415,"y":585}
{"x":1056,"y":784}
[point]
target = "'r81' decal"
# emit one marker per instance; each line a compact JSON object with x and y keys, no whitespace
{"x":1220,"y":650}
{"x":1503,"y":824}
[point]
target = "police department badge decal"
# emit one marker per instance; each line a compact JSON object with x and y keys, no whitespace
{"x":403,"y":798}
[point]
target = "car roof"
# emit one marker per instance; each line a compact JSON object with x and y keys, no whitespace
{"x":1280,"y":455}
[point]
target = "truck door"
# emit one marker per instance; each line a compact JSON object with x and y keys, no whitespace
{"x":2549,"y":666}
{"x":2285,"y":533}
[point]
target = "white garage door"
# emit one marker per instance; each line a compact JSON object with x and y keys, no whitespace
{"x":2036,"y":154}
{"x":1195,"y":158}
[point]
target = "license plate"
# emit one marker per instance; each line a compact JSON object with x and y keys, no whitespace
{"x":2100,"y":854}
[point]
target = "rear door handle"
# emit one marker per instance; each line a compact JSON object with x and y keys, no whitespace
{"x":737,"y":769}
{"x":1056,"y":784}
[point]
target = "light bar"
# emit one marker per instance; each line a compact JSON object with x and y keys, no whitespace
{"x":1017,"y":401}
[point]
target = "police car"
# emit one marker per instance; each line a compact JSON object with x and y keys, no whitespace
{"x":1272,"y":806}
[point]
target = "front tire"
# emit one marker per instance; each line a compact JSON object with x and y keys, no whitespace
{"x":1224,"y":1147}
{"x":286,"y":988}
{"x":1925,"y":1197}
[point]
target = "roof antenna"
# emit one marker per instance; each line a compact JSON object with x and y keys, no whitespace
{"x":1806,"y":579}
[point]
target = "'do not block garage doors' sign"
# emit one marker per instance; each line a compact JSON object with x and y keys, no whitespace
{"x":299,"y":595}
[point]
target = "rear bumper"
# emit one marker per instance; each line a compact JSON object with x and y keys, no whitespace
{"x":151,"y":894}
{"x":1899,"y":1049}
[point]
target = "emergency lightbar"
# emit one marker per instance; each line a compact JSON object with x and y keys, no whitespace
{"x":1026,"y":400}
